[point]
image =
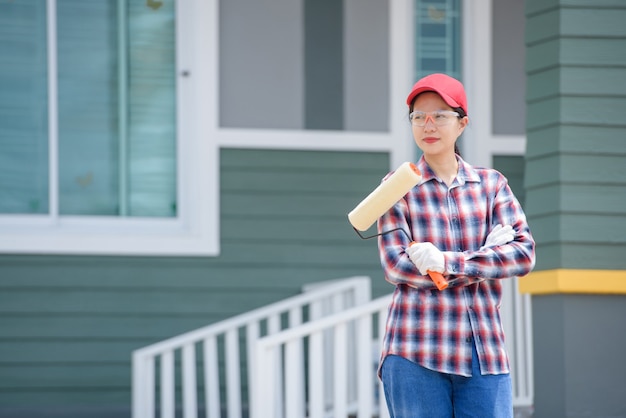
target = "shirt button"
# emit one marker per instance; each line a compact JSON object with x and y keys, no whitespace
{"x":468,"y":340}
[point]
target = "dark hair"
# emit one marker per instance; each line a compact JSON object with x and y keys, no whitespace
{"x":460,"y":111}
{"x":462,"y":114}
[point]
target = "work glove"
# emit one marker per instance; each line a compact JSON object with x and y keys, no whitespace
{"x":499,"y":235}
{"x":426,"y":257}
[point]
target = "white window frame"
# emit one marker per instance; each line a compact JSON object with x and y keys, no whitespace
{"x":396,"y":141}
{"x":481,"y":144}
{"x":195,"y":230}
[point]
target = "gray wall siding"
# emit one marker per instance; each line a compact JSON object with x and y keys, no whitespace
{"x":69,"y":324}
{"x":575,"y":175}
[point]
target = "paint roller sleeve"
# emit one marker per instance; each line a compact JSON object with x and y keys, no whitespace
{"x":384,"y":196}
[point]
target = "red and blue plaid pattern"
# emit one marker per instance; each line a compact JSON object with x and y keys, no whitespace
{"x":436,"y":328}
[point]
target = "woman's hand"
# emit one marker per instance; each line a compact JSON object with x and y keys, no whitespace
{"x":499,"y":235}
{"x":426,"y":257}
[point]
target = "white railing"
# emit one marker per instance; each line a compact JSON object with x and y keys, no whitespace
{"x":217,"y":354}
{"x":516,"y":318}
{"x":323,"y":368}
{"x":292,"y":379}
{"x":312,"y":355}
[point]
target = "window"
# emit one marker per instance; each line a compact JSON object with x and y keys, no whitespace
{"x":438,"y":40}
{"x":98,"y":103}
{"x":438,"y":37}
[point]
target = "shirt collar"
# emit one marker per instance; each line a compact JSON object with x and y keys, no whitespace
{"x":466,"y":172}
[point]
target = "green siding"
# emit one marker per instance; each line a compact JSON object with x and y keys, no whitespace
{"x":575,"y":181}
{"x":538,"y":6}
{"x":69,"y":324}
{"x":576,"y":139}
{"x":513,"y":169}
{"x":575,"y":176}
{"x":589,"y":21}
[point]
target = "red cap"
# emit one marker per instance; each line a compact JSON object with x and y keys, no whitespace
{"x":450,"y":89}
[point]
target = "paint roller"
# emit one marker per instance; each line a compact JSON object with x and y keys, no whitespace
{"x":363,"y":216}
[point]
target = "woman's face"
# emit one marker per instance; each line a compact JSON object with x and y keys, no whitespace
{"x":436,"y":140}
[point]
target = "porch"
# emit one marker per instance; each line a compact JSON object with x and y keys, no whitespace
{"x":313,"y":355}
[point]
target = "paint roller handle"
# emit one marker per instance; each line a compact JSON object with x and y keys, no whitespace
{"x":438,"y":279}
{"x":435,"y":276}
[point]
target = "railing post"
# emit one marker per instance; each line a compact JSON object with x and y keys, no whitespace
{"x":253,"y":333}
{"x":190,"y":402}
{"x":363,"y":292}
{"x":383,"y":412}
{"x":365,"y":379}
{"x":233,"y":380}
{"x":340,"y":372}
{"x":143,"y":386}
{"x":265,"y":391}
{"x":168,"y":407}
{"x":316,"y":375}
{"x":211,"y":378}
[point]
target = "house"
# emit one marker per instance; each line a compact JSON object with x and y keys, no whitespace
{"x":168,"y":164}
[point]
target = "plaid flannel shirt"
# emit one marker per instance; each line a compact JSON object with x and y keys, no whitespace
{"x":436,"y":328}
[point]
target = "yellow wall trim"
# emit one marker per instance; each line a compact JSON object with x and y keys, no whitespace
{"x":574,"y":281}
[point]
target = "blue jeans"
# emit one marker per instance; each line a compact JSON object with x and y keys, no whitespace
{"x":413,"y":391}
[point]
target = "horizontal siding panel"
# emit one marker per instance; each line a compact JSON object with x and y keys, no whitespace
{"x":45,"y":377}
{"x":544,"y":200}
{"x":590,"y":81}
{"x":595,"y":229}
{"x":580,"y":229}
{"x":576,"y":198}
{"x":536,"y":6}
{"x":545,"y":229}
{"x":541,"y":56}
{"x":593,"y":22}
{"x":573,"y":22}
{"x":575,"y":139}
{"x":584,"y":52}
{"x":196,"y":278}
{"x":62,"y":403}
{"x":70,"y":351}
{"x":544,"y":141}
{"x":115,"y":302}
{"x":59,"y":325}
{"x":593,"y":81}
{"x":542,"y":26}
{"x":265,"y":230}
{"x":299,"y":183}
{"x":593,"y":111}
{"x":545,"y":84}
{"x":292,"y":254}
{"x":292,"y":204}
{"x":583,"y":169}
{"x":593,"y":52}
{"x":287,"y":160}
{"x":543,"y":113}
{"x":553,"y":255}
{"x":593,"y":256}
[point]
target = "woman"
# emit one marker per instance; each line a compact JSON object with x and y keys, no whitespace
{"x":443,"y":351}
